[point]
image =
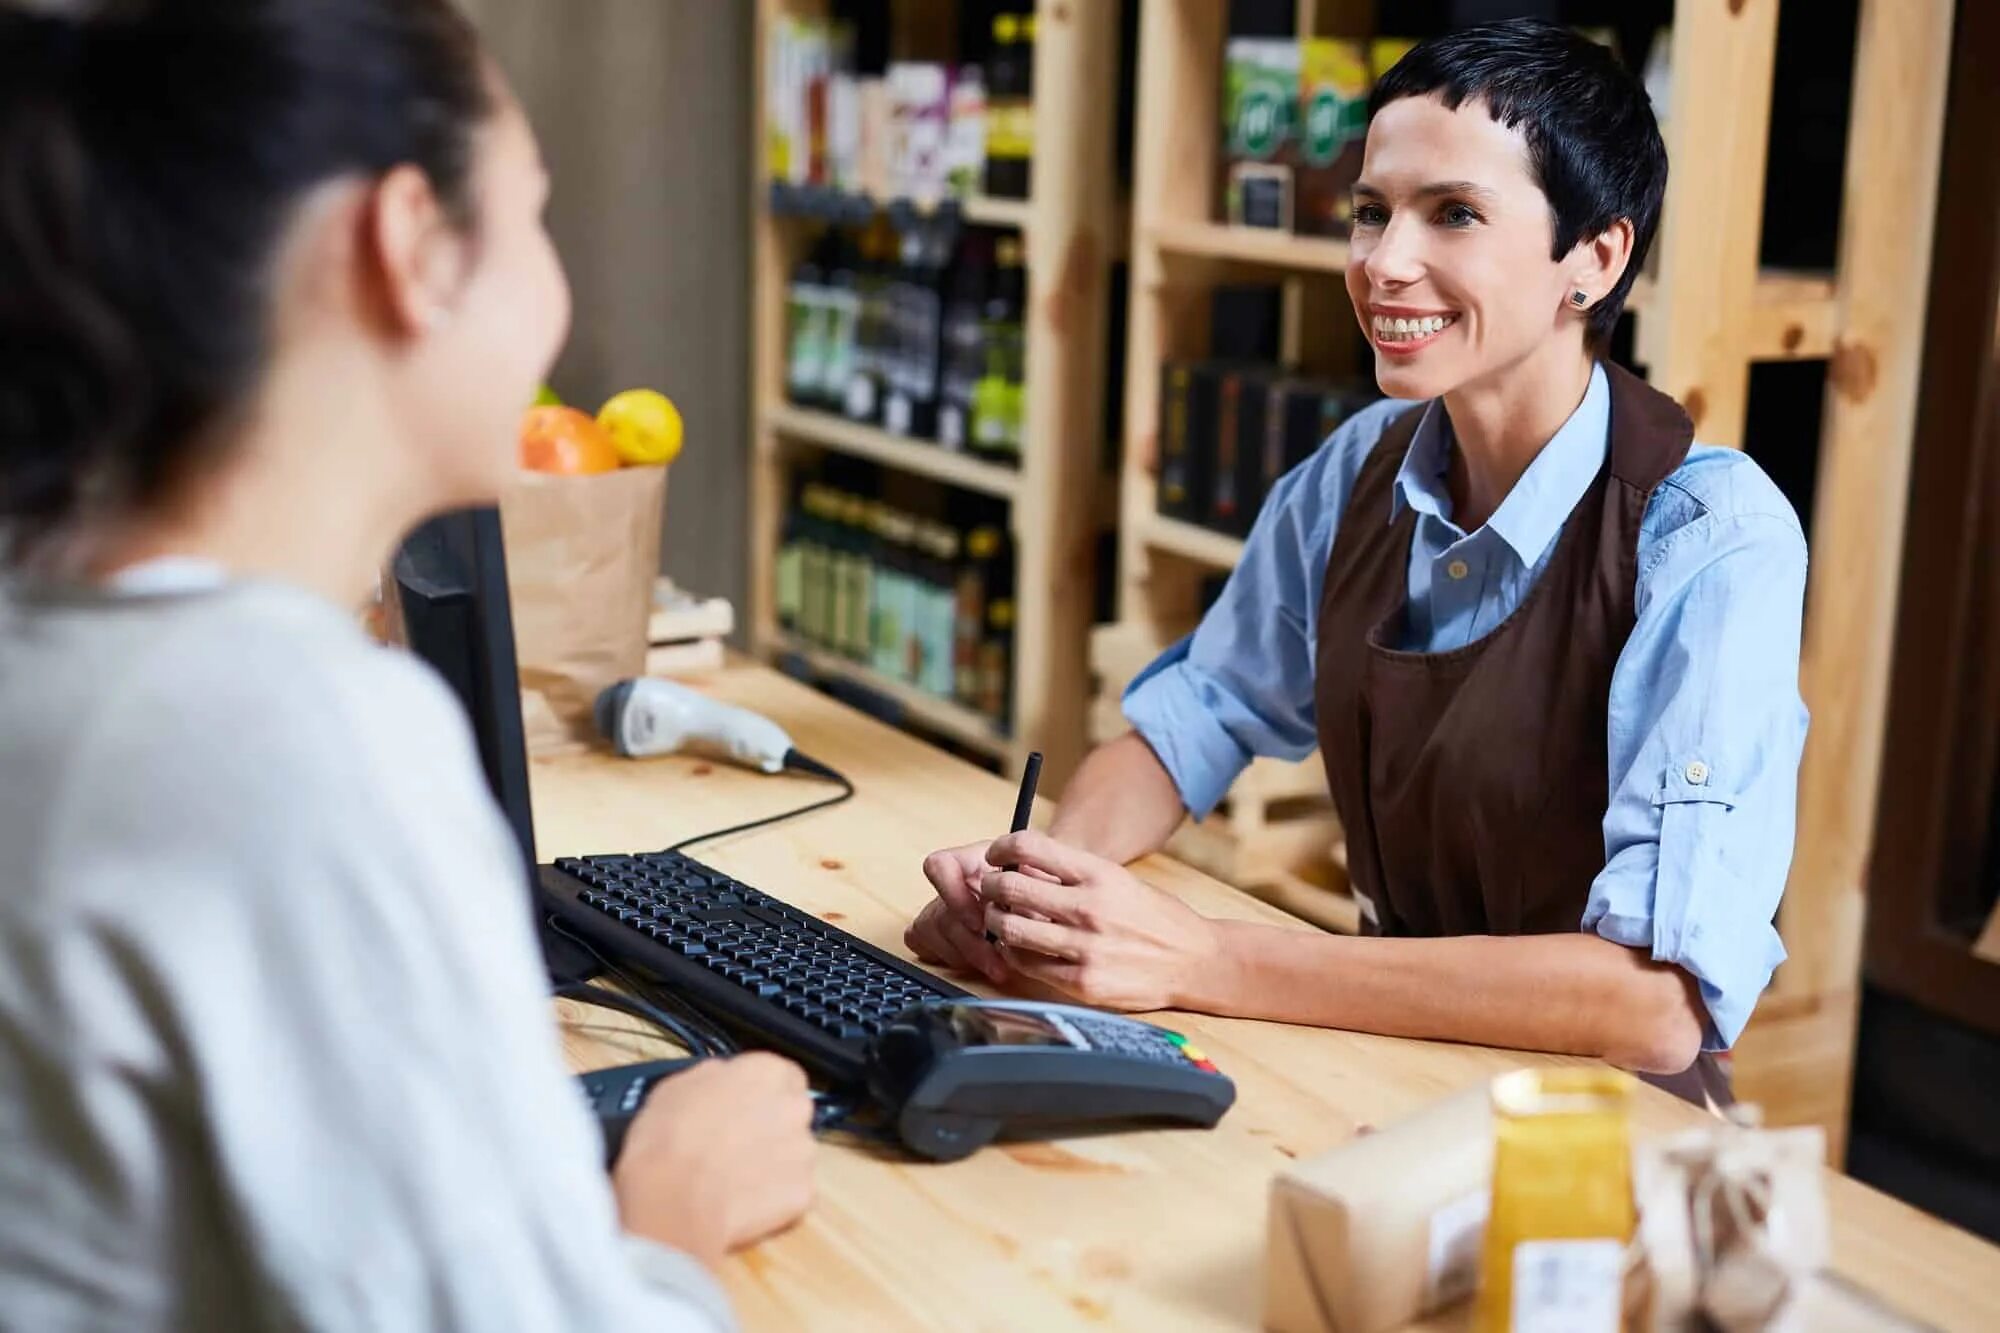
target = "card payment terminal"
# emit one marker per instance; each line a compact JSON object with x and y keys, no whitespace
{"x":951,"y":1075}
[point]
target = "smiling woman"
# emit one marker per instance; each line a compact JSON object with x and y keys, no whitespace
{"x":1546,"y":644}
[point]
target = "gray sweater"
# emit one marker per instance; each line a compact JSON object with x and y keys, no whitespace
{"x":275,"y":1048}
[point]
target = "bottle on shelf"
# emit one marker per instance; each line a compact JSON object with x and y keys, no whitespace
{"x":911,"y":408}
{"x":964,"y":348}
{"x":977,"y":572}
{"x":841,"y":296}
{"x":805,"y":329}
{"x":856,"y":638}
{"x":789,"y":597}
{"x":874,"y":338}
{"x":997,"y":397}
{"x":815,"y":567}
{"x":891,"y":607}
{"x":1010,"y":111}
{"x":936,"y":617}
{"x":996,"y":662}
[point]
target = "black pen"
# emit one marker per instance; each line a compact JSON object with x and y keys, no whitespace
{"x":1024,"y":806}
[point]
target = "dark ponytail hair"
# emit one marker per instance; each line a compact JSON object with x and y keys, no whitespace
{"x":151,"y":156}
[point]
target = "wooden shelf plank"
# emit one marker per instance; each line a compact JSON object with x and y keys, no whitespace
{"x":893,"y":451}
{"x":987,"y":211}
{"x":1791,"y":314}
{"x":1191,"y":541}
{"x":1249,"y":245}
{"x":973,"y":730}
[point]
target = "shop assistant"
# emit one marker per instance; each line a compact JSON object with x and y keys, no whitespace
{"x":1546,"y":645}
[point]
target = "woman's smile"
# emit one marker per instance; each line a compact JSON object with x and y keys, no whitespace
{"x":1405,"y":331}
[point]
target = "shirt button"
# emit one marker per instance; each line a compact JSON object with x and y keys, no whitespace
{"x":1696,"y":773}
{"x":1458,"y":569}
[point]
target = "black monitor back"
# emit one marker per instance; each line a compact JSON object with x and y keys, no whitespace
{"x":451,"y":578}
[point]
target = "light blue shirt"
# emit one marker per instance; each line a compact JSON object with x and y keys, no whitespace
{"x":1706,"y":723}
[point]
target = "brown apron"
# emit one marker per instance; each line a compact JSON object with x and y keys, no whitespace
{"x":1472,"y":784}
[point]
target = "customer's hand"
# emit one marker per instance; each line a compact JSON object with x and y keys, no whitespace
{"x":1090,"y":928}
{"x":951,"y":931}
{"x":720,"y":1155}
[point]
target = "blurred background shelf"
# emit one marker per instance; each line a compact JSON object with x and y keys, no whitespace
{"x":1248,"y":245}
{"x":1191,"y":541}
{"x":947,"y":718}
{"x":919,"y":458}
{"x":1071,"y":227}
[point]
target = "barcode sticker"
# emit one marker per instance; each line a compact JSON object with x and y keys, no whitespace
{"x":1457,"y":1229}
{"x":1568,"y":1286}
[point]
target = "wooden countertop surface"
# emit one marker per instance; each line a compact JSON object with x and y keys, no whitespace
{"x":1150,"y":1231}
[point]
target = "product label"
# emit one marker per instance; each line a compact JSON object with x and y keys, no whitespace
{"x":1334,"y":75}
{"x":1260,"y":94}
{"x":1568,"y":1286}
{"x":1010,"y":130}
{"x":1457,"y":1231}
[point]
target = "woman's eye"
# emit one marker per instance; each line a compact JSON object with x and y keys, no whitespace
{"x":1370,"y":215}
{"x":1457,"y":215}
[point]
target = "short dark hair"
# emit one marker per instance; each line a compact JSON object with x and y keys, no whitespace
{"x":152,"y":153}
{"x":1593,"y":143}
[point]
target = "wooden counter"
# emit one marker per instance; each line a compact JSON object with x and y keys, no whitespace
{"x":1149,"y":1231}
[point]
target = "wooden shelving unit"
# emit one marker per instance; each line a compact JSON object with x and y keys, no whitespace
{"x":973,"y":730}
{"x":1704,"y":316}
{"x":915,"y":457}
{"x":1192,"y":542}
{"x":1071,"y":227}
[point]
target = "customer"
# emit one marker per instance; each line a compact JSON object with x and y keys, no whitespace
{"x":275,"y":1050}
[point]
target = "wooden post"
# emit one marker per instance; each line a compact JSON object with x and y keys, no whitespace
{"x":1696,"y":329}
{"x":767,"y":347}
{"x":1076,"y":47}
{"x":1180,"y":45}
{"x":1893,"y":146}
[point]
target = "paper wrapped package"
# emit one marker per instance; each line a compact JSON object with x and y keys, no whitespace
{"x":1385,"y":1228}
{"x":1732,"y":1229}
{"x":582,"y":554}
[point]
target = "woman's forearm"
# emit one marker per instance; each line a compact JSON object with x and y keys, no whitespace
{"x":1571,"y":994}
{"x":1122,"y":803}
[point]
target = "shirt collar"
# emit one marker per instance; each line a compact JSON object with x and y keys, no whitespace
{"x":1534,"y":511}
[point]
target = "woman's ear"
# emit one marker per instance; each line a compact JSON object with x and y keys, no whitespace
{"x":1598,"y":262}
{"x":419,"y":256}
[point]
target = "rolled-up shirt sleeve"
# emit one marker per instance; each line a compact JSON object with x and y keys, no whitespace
{"x":1706,"y":730}
{"x":1241,"y":685}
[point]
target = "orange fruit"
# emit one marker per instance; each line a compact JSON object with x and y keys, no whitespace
{"x":565,"y":441}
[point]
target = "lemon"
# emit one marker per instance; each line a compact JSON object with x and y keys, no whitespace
{"x":644,"y":426}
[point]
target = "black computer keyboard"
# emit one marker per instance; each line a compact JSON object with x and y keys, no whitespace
{"x":782,"y":976}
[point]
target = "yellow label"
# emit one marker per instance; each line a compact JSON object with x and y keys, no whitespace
{"x":1010,"y":129}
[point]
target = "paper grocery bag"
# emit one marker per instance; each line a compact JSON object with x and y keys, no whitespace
{"x":582,"y":554}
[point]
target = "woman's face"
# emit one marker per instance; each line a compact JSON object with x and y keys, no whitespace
{"x":501,"y":328}
{"x":1449,"y":272}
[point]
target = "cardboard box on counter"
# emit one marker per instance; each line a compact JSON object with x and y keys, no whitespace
{"x":1384,"y":1228}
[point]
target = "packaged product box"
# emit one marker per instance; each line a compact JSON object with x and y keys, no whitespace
{"x":1260,"y":83}
{"x":1334,"y":83}
{"x":1385,"y":1228}
{"x":1384,"y":52}
{"x":1243,"y":403}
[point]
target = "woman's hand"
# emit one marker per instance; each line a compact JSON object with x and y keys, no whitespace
{"x":720,"y":1155}
{"x":1090,"y":928}
{"x":951,"y":932}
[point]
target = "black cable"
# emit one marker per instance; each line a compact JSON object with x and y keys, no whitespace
{"x":585,"y":993}
{"x":799,"y":763}
{"x":713,"y":1040}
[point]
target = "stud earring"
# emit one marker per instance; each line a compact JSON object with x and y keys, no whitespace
{"x":1579,"y":299}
